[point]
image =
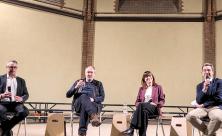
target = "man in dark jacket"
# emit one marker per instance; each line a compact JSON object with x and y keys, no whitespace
{"x":209,"y":102}
{"x":88,"y":95}
{"x":13,"y":93}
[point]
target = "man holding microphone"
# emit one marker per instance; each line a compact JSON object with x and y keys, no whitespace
{"x":13,"y":93}
{"x":88,"y":94}
{"x":209,"y":102}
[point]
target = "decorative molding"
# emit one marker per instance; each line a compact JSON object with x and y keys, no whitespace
{"x":148,"y":19}
{"x":59,"y":3}
{"x":148,"y":6}
{"x":43,"y":8}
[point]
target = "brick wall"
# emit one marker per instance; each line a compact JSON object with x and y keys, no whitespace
{"x":88,"y":34}
{"x":209,"y":47}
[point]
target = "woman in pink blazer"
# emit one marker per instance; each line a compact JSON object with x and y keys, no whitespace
{"x":148,"y":103}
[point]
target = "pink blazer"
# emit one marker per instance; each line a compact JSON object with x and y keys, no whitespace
{"x":158,"y":96}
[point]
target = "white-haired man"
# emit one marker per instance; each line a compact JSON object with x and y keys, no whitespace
{"x":88,"y":94}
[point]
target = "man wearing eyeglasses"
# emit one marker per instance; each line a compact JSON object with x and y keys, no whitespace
{"x":13,"y":93}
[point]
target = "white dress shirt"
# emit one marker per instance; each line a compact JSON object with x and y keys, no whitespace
{"x":11,"y":82}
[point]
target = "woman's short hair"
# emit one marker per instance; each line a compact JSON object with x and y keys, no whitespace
{"x":147,"y":74}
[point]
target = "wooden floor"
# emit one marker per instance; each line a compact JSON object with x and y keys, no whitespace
{"x":39,"y":130}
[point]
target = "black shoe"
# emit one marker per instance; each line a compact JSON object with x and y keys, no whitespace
{"x":82,"y":134}
{"x":1,"y":131}
{"x":8,"y":133}
{"x":128,"y":132}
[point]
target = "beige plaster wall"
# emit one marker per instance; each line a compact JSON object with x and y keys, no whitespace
{"x":192,"y":5}
{"x":173,"y":51}
{"x":47,"y":46}
{"x":219,"y":48}
{"x":219,"y":4}
{"x":76,"y":4}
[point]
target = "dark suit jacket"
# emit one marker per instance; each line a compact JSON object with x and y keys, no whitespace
{"x":21,"y":87}
{"x":158,"y":96}
{"x":213,"y":96}
{"x":99,"y":93}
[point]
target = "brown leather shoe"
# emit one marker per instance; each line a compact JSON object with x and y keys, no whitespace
{"x":95,"y":120}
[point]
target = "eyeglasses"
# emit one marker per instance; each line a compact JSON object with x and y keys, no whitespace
{"x":12,"y":67}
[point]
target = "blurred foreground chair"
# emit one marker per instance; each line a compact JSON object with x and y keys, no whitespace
{"x":180,"y":127}
{"x":55,"y":125}
{"x":121,"y":121}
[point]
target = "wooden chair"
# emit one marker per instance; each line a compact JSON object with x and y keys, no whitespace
{"x":55,"y":125}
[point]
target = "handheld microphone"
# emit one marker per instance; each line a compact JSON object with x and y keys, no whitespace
{"x":207,"y":77}
{"x":81,"y":87}
{"x":9,"y":90}
{"x":207,"y":80}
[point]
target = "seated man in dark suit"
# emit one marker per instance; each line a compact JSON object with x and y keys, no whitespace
{"x":13,"y":93}
{"x":88,"y":95}
{"x":209,"y":102}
